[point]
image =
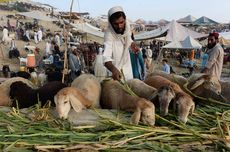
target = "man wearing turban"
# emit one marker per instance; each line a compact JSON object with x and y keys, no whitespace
{"x":117,"y":41}
{"x":216,"y":55}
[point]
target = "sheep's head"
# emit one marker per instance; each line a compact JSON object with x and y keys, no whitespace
{"x":148,"y":116}
{"x":145,"y":112}
{"x":185,"y":105}
{"x":209,"y":82}
{"x":165,"y":95}
{"x":16,"y":87}
{"x":63,"y":106}
{"x":67,"y":98}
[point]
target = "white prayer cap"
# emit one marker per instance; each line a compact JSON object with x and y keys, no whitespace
{"x":114,"y":10}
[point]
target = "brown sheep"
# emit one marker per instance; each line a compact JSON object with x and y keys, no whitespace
{"x":115,"y":97}
{"x":183,"y":99}
{"x":205,"y":85}
{"x":165,"y":94}
{"x":172,"y":77}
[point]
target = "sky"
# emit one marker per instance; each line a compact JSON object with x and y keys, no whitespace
{"x":153,"y":10}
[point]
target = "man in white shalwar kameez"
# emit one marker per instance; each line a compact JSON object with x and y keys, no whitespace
{"x":117,"y":41}
{"x":5,"y":34}
{"x":39,"y":35}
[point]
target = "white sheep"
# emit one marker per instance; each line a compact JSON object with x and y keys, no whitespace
{"x":115,"y":97}
{"x":84,"y":93}
{"x":5,"y":89}
{"x":90,"y":87}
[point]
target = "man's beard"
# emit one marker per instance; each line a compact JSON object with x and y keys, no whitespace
{"x":119,"y":30}
{"x":210,"y":46}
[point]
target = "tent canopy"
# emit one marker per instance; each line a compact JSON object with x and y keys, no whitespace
{"x":150,"y":34}
{"x":173,"y":45}
{"x":204,"y":21}
{"x":187,"y":43}
{"x":190,"y":43}
{"x":187,"y":19}
{"x":173,"y":31}
{"x":37,"y":15}
{"x":92,"y":32}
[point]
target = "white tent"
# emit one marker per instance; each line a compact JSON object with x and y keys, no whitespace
{"x":177,"y":32}
{"x":187,"y":19}
{"x":173,"y":45}
{"x":93,"y":32}
{"x":190,"y":43}
{"x":89,"y":29}
{"x":150,"y":34}
{"x":187,"y":43}
{"x":37,"y":15}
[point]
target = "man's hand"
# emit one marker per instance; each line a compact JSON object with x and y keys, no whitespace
{"x":116,"y":74}
{"x":205,"y":70}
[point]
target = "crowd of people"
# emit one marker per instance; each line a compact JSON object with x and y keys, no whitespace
{"x":119,"y":53}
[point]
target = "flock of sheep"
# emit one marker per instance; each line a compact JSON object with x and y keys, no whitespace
{"x":158,"y":90}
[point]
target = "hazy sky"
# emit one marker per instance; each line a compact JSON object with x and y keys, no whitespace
{"x":154,"y":10}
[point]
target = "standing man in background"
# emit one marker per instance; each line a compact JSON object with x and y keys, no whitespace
{"x":215,"y":56}
{"x":117,"y":41}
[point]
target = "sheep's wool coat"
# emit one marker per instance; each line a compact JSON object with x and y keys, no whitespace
{"x":116,"y":47}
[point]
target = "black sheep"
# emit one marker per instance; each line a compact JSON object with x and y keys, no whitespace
{"x":27,"y":96}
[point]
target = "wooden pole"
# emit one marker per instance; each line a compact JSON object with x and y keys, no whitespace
{"x":66,"y":31}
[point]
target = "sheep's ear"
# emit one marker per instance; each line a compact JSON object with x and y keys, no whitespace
{"x":197,"y":83}
{"x":136,"y":117}
{"x":55,"y":99}
{"x":76,"y":104}
{"x":192,"y":109}
{"x":154,"y":95}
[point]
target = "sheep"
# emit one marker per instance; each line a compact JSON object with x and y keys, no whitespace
{"x":70,"y":97}
{"x":22,"y":74}
{"x":115,"y":97}
{"x":90,"y":87}
{"x":53,"y":74}
{"x":172,"y":77}
{"x":42,"y":79}
{"x":182,"y":99}
{"x":43,"y":94}
{"x":6,"y":71}
{"x":84,"y":92}
{"x":165,"y":94}
{"x":225,"y":90}
{"x":34,"y":78}
{"x":5,"y":89}
{"x":184,"y":104}
{"x":205,"y":85}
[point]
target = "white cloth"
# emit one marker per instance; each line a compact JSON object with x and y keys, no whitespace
{"x":36,"y":37}
{"x":117,"y":47}
{"x":28,"y":34}
{"x":39,"y":35}
{"x":5,"y":35}
{"x":48,"y":48}
{"x":57,"y":40}
{"x":99,"y":69}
